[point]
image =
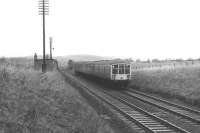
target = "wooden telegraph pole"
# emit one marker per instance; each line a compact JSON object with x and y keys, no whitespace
{"x":43,"y":10}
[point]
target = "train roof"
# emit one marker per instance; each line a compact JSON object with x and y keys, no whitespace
{"x":116,"y":61}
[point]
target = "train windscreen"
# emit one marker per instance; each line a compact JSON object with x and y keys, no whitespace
{"x":127,"y":69}
{"x":114,"y":69}
{"x":121,"y":69}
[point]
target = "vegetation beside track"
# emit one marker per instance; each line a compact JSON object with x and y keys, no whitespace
{"x":116,"y":121}
{"x":182,"y":82}
{"x":33,"y":102}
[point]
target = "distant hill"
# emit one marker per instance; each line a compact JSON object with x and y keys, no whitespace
{"x":63,"y":60}
{"x":84,"y":57}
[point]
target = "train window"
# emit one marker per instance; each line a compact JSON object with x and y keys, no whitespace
{"x":121,"y":66}
{"x":121,"y":69}
{"x":114,"y":69}
{"x":115,"y":66}
{"x":127,"y":69}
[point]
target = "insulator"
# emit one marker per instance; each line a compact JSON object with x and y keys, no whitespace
{"x":44,"y":14}
{"x":42,"y":9}
{"x":44,"y":4}
{"x":44,"y":1}
{"x":41,"y":2}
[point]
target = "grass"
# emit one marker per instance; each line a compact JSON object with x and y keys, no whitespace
{"x":32,"y":102}
{"x":183,"y":82}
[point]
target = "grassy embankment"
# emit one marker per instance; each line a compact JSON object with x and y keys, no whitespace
{"x":33,"y":102}
{"x":181,"y":82}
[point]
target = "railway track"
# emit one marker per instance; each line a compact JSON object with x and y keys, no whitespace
{"x":191,"y":115}
{"x":179,"y":115}
{"x":148,"y":122}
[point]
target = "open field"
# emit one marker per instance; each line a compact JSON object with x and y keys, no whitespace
{"x":181,"y":82}
{"x":32,"y":102}
{"x":138,"y":66}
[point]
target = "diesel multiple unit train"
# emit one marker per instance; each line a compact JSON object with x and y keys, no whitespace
{"x":114,"y":71}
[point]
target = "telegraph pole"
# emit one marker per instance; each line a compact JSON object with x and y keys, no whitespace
{"x":43,"y":10}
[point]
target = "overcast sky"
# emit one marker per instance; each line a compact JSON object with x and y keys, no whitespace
{"x":121,"y":28}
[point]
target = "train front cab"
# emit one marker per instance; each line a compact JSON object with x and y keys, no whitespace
{"x":121,"y":73}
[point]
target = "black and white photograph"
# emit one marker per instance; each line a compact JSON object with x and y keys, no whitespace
{"x":100,"y":66}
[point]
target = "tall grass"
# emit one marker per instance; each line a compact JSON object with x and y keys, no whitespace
{"x":182,"y":82}
{"x":32,"y":102}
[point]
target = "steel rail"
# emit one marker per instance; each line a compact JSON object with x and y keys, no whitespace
{"x":185,"y":112}
{"x":120,"y":110}
{"x":168,"y":124}
{"x":165,"y":101}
